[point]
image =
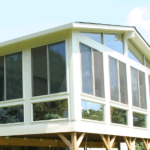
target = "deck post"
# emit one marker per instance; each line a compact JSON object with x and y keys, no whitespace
{"x":74,"y":141}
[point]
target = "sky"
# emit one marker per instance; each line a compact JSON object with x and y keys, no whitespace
{"x":23,"y":17}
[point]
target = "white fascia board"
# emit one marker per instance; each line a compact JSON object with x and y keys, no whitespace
{"x":37,"y":34}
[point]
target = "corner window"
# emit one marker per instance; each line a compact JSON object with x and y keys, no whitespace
{"x":118,"y":116}
{"x":114,"y":41}
{"x":147,"y":63}
{"x":139,"y":120}
{"x":92,"y":71}
{"x":11,"y":77}
{"x":50,"y":110}
{"x":118,"y":81}
{"x":134,"y":54}
{"x":94,"y":36}
{"x":92,"y":111}
{"x":138,"y":88}
{"x":49,"y":69}
{"x":12,"y":114}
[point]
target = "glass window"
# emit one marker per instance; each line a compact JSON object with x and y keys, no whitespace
{"x":92,"y":111}
{"x":134,"y":54}
{"x":139,"y":120}
{"x":39,"y":70}
{"x":114,"y":41}
{"x":2,"y":78}
{"x":57,"y":67}
{"x":118,"y":116}
{"x":50,"y":110}
{"x":138,"y":88}
{"x":49,"y":69}
{"x":11,"y":114}
{"x":92,"y":71}
{"x":14,"y":76}
{"x":147,"y":63}
{"x":118,"y":81}
{"x":149,"y":86}
{"x":95,"y":36}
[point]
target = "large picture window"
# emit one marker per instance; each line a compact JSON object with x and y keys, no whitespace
{"x":138,"y":88}
{"x":12,"y":114}
{"x":92,"y":111}
{"x":11,"y":77}
{"x":49,"y":69}
{"x":92,"y":71}
{"x":118,"y":81}
{"x":50,"y":110}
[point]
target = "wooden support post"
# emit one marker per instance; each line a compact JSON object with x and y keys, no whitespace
{"x":129,"y":142}
{"x":146,"y":142}
{"x":107,"y":142}
{"x":74,"y":140}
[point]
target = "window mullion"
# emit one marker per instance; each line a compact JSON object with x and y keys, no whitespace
{"x":4,"y":78}
{"x":48,"y":73}
{"x":93,"y":72}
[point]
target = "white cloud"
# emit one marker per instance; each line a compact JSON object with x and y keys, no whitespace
{"x":140,"y":18}
{"x":11,"y":32}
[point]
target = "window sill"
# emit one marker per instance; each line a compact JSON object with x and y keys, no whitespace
{"x":12,"y":124}
{"x":48,"y":121}
{"x":118,"y":103}
{"x":93,"y":121}
{"x":120,"y":125}
{"x":140,"y":128}
{"x":92,"y":96}
{"x":138,"y":108}
{"x":11,"y":101}
{"x":50,"y":95}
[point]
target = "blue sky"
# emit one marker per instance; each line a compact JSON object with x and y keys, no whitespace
{"x":22,"y":17}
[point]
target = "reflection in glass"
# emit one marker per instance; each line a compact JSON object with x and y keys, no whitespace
{"x":50,"y":110}
{"x":94,"y":36}
{"x":139,"y":120}
{"x":2,"y":78}
{"x":14,"y":76}
{"x":118,"y":116}
{"x":86,"y":60}
{"x":99,"y":78}
{"x":135,"y":88}
{"x":39,"y":71}
{"x":142,"y":89}
{"x":11,"y":114}
{"x":133,"y":57}
{"x":93,"y":111}
{"x":123,"y":83}
{"x":113,"y":79}
{"x":114,"y":42}
{"x":57,"y":65}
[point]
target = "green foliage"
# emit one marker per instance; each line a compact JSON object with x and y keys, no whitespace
{"x":139,"y":120}
{"x":140,"y":146}
{"x":93,"y":115}
{"x":50,"y":110}
{"x":118,"y":116}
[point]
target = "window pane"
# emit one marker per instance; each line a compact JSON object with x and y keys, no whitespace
{"x":2,"y":78}
{"x":39,"y":71}
{"x":113,"y":79}
{"x":135,"y":88}
{"x":93,"y":111}
{"x":134,"y":54}
{"x":57,"y":62}
{"x":95,"y":36}
{"x":118,"y":116}
{"x":147,"y":63}
{"x":11,"y":114}
{"x":114,"y":42}
{"x":139,"y":120}
{"x":99,"y":78}
{"x":14,"y":76}
{"x":123,"y":83}
{"x":50,"y":110}
{"x":142,"y":89}
{"x":87,"y":78}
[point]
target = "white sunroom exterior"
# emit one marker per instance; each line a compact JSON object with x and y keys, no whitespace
{"x":71,"y":35}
